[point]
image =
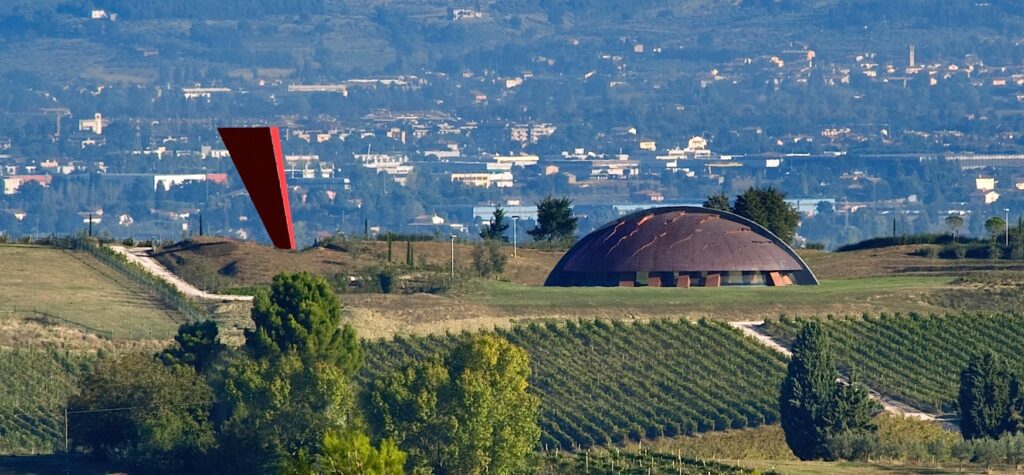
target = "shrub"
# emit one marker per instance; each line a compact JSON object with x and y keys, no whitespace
{"x":960,"y":251}
{"x":386,"y":279}
{"x":994,"y":251}
{"x":879,"y":242}
{"x":489,"y":258}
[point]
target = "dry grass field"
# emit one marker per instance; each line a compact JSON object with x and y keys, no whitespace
{"x":76,"y":286}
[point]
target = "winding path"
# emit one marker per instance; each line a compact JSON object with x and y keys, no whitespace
{"x":889,"y":404}
{"x":140,"y":256}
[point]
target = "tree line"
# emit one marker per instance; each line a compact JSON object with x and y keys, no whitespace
{"x":286,"y":400}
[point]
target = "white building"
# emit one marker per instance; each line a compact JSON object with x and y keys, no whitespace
{"x":394,"y":164}
{"x":329,"y":88}
{"x":94,"y":125}
{"x":517,"y":160}
{"x":168,"y":181}
{"x":497,"y":179}
{"x":983,"y":183}
{"x":203,"y":92}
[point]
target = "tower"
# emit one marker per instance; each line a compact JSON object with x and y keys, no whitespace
{"x":913,"y":59}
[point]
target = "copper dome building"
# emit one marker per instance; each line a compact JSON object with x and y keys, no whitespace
{"x":681,"y":246}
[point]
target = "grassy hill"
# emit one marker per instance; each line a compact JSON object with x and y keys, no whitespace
{"x":892,"y":279}
{"x":76,"y":286}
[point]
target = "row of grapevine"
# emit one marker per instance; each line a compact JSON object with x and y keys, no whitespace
{"x":917,"y":358}
{"x":37,"y":384}
{"x":627,"y":462}
{"x":604,"y":383}
{"x":160,"y":288}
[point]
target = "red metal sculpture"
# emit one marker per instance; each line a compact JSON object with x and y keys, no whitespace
{"x":256,"y":152}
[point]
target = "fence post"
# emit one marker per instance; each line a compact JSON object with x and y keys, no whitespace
{"x":66,"y":444}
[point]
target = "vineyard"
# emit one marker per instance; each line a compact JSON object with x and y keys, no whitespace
{"x":627,"y":462}
{"x":36,"y":387}
{"x":914,"y":357}
{"x":606,"y":383}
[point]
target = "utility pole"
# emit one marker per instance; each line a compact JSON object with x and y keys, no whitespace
{"x":1006,"y":227}
{"x":453,"y":257}
{"x":515,"y":237}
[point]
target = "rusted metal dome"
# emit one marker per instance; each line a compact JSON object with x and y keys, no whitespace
{"x":681,"y":246}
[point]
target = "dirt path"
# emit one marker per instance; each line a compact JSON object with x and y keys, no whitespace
{"x":889,"y":404}
{"x":140,"y":256}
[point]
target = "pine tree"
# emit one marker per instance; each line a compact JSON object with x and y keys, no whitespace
{"x":768,"y":207}
{"x":719,"y":201}
{"x":301,"y":315}
{"x":555,"y":221}
{"x":497,"y":227}
{"x":985,"y":397}
{"x":197,"y":345}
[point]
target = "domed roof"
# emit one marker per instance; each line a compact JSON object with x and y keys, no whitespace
{"x":680,"y":239}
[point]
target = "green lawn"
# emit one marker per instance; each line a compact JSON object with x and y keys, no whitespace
{"x":871,"y":294}
{"x":76,"y":286}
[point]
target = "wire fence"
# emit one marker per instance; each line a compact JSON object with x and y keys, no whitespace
{"x":159,"y":288}
{"x":49,"y":318}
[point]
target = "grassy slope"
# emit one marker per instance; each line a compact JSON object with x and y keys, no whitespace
{"x":78,"y":287}
{"x":890,"y":280}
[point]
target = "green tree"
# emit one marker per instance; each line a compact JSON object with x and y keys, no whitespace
{"x":143,"y":415}
{"x":405,"y":406}
{"x":815,"y":409}
{"x":985,"y":397}
{"x":471,"y":415}
{"x":768,"y":207}
{"x":496,"y":228}
{"x":301,"y":315}
{"x":197,"y":345}
{"x":489,"y":258}
{"x":280,"y":407}
{"x":349,"y":453}
{"x":555,"y":221}
{"x":719,"y":201}
{"x":954,"y":222}
{"x":995,"y":226}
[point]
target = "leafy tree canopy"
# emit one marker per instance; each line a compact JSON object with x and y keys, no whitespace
{"x":280,"y":407}
{"x":471,"y":414}
{"x":164,"y":425}
{"x":198,"y":346}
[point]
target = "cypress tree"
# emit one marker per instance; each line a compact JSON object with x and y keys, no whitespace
{"x":985,"y":397}
{"x":389,"y":248}
{"x":814,"y":406}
